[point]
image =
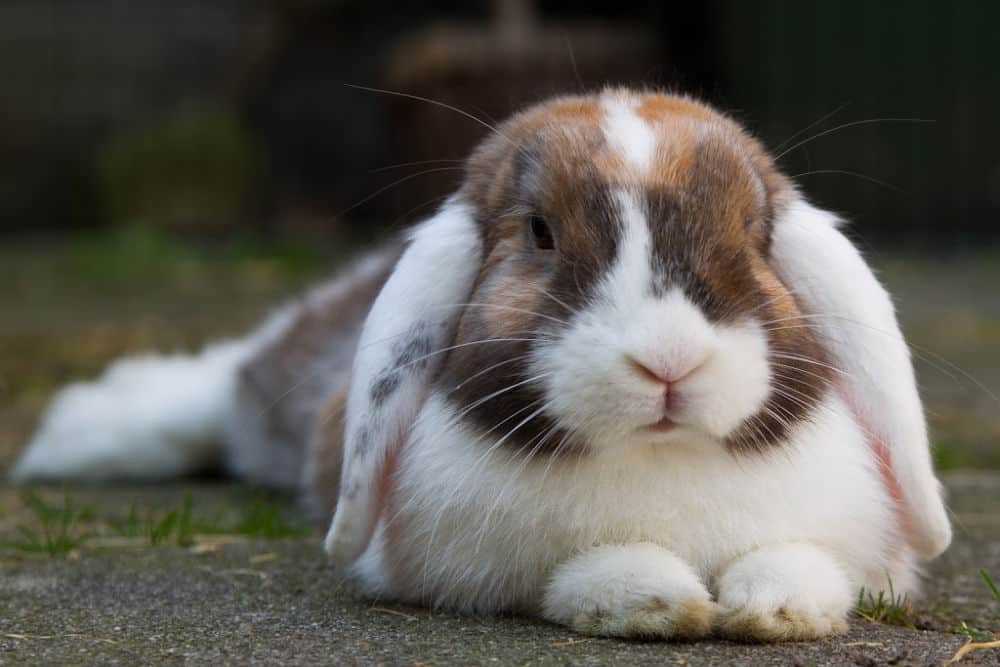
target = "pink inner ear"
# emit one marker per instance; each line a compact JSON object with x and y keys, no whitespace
{"x":385,"y":477}
{"x":883,"y":456}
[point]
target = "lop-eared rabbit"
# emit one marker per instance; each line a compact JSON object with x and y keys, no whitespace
{"x":627,"y":379}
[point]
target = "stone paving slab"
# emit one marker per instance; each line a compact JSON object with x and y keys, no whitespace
{"x":279,"y":602}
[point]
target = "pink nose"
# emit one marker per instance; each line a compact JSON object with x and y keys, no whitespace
{"x":667,"y":377}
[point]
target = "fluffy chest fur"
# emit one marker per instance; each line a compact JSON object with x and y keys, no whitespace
{"x":472,"y":526}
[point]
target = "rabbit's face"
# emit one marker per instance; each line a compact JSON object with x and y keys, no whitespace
{"x":625,"y":295}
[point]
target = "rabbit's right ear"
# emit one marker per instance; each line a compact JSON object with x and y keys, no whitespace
{"x":401,"y":348}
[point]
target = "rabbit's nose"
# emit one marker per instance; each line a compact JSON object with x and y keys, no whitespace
{"x":669,"y":377}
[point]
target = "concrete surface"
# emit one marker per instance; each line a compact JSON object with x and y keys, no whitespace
{"x":278,"y":602}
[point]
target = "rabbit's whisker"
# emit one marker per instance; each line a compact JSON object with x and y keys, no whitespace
{"x":806,"y":360}
{"x":516,"y":310}
{"x":473,"y":468}
{"x":475,"y":404}
{"x":844,"y":126}
{"x":442,"y":350}
{"x":417,"y":163}
{"x":932,"y":359}
{"x":821,"y":378}
{"x":844,"y":172}
{"x":437,"y":103}
{"x":398,"y":181}
{"x":493,"y":428}
{"x":811,"y":125}
{"x":520,"y":357}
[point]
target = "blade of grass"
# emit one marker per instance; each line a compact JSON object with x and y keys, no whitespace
{"x":990,"y":584}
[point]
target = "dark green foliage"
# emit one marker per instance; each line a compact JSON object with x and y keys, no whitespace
{"x":191,"y":168}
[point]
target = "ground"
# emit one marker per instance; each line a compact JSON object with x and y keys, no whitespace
{"x":212,"y":572}
{"x":233,"y":598}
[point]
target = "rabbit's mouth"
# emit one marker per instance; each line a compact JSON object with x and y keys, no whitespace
{"x":665,"y":425}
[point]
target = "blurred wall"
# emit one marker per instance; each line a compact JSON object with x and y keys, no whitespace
{"x":217,"y":114}
{"x":790,"y":63}
{"x":74,"y":73}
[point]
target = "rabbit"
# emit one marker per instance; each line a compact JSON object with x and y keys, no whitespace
{"x":627,"y":379}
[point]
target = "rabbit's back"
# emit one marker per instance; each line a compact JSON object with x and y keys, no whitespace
{"x":302,"y":362}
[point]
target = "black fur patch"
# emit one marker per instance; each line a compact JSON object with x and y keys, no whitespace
{"x":408,"y":356}
{"x":362,"y":442}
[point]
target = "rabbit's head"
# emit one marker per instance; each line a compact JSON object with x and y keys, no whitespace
{"x":623,"y":292}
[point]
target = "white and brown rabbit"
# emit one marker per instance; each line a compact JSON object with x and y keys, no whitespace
{"x":627,"y":379}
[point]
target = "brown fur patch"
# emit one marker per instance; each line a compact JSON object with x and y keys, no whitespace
{"x":782,"y":625}
{"x":655,"y":108}
{"x":657,"y":619}
{"x":325,"y":458}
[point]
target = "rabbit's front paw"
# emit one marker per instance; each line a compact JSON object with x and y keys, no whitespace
{"x":789,"y":592}
{"x":635,"y":590}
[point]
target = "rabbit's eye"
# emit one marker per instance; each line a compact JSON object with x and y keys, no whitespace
{"x":542,"y":234}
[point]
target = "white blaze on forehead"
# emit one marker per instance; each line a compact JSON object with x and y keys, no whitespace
{"x":630,"y":134}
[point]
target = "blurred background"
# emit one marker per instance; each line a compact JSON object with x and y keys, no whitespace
{"x":170,"y":169}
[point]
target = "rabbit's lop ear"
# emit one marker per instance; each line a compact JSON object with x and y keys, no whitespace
{"x":854,"y":315}
{"x":402,"y":344}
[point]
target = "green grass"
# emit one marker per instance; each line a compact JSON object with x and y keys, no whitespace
{"x":887,"y":607}
{"x":989,"y":584}
{"x":56,"y":531}
{"x":144,"y":252}
{"x":951,"y":456}
{"x":174,"y":526}
{"x":259,"y":515}
{"x":265,"y":519}
{"x":978,"y":634}
{"x":892,"y":609}
{"x":974,"y":634}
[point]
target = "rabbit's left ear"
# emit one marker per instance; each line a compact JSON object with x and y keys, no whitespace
{"x":855,"y":317}
{"x":401,"y":348}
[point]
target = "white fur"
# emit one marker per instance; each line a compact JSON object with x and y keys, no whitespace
{"x":785,"y":591}
{"x":422,"y":299}
{"x":146,"y":417}
{"x":856,"y":318}
{"x":633,"y":137}
{"x":633,"y":589}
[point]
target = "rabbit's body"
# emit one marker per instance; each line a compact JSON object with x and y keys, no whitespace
{"x":626,"y":378}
